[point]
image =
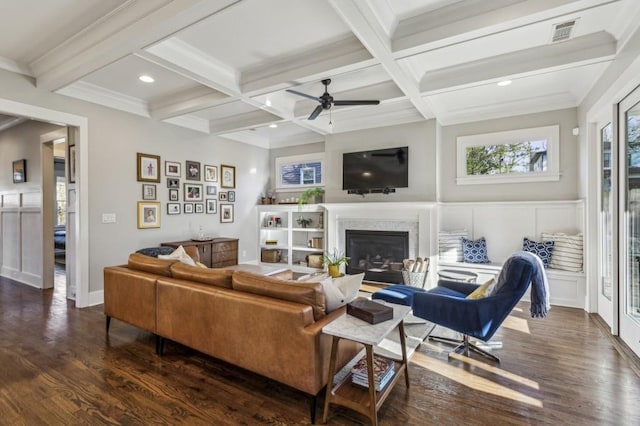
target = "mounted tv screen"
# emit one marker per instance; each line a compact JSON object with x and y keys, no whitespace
{"x":381,"y":169}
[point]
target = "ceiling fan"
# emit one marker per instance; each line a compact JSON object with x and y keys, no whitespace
{"x":326,"y":100}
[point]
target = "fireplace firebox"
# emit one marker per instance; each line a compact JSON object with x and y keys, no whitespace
{"x":378,"y":254}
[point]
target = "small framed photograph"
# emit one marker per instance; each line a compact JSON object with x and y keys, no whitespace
{"x":210,"y":173}
{"x":222,"y":196}
{"x":193,"y":170}
{"x":148,"y":191}
{"x":199,"y":207}
{"x":211,"y":190}
{"x":212,"y":206}
{"x":188,"y":208}
{"x":227,"y":176}
{"x":231,"y":196}
{"x":173,"y":195}
{"x":171,"y":168}
{"x":148,"y":168}
{"x":173,"y":183}
{"x":173,"y":208}
{"x":226,"y":213}
{"x":20,"y":171}
{"x":193,"y":192}
{"x":148,"y":214}
{"x":72,"y":164}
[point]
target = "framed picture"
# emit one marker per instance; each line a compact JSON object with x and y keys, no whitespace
{"x":222,"y":196}
{"x":72,"y":163}
{"x":199,"y":207}
{"x":173,"y":183}
{"x":148,"y":214}
{"x":193,"y":170}
{"x":212,"y":206}
{"x":193,"y":192}
{"x":148,"y":168}
{"x":227,"y":176}
{"x":171,"y":168}
{"x":226,"y":213}
{"x":210,"y":173}
{"x":173,"y":195}
{"x":148,"y":191}
{"x":20,"y":171}
{"x":173,"y":208}
{"x":211,"y":190}
{"x":188,"y":208}
{"x":231,"y":196}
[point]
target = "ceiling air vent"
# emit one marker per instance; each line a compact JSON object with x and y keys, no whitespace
{"x":562,"y":31}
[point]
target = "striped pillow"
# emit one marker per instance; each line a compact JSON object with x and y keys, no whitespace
{"x":450,"y":245}
{"x":567,"y":251}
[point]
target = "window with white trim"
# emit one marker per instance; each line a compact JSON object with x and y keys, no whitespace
{"x":298,"y":172}
{"x":524,"y":155}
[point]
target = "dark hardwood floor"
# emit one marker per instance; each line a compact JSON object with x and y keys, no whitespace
{"x":58,"y":367}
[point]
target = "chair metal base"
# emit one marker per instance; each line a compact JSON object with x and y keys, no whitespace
{"x":463,"y":346}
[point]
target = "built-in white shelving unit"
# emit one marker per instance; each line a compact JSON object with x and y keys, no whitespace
{"x":284,"y":238}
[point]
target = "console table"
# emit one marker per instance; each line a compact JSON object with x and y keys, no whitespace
{"x":345,"y":393}
{"x":214,"y":253}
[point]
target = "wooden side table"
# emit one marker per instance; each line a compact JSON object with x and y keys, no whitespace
{"x":364,"y":400}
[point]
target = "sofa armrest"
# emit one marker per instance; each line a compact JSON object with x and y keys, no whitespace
{"x":459,"y":286}
{"x":130,"y":296}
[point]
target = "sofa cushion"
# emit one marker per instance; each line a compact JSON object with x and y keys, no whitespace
{"x":475,"y":251}
{"x":567,"y":251}
{"x":450,"y":245}
{"x":310,"y":293}
{"x":215,"y":277}
{"x":155,"y":251}
{"x":180,"y":255}
{"x":342,"y":290}
{"x":543,"y":249}
{"x":150,"y":264}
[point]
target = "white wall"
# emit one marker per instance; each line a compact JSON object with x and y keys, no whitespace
{"x":419,"y":137}
{"x":564,"y":189}
{"x":114,"y":139}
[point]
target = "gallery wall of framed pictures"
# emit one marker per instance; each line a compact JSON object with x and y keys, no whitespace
{"x":199,"y":187}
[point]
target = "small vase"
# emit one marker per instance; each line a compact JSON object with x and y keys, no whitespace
{"x":334,"y":271}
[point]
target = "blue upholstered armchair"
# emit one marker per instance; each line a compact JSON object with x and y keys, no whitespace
{"x":447,"y":305}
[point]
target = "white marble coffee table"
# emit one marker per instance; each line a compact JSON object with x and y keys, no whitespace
{"x":345,"y":393}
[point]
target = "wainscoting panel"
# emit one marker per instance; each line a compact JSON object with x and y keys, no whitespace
{"x":11,"y":247}
{"x":32,"y":243}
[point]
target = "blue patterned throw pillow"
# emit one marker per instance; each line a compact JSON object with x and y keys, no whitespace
{"x":544,"y":249}
{"x":475,"y":251}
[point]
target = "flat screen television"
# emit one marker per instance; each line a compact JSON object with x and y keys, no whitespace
{"x":380,"y":170}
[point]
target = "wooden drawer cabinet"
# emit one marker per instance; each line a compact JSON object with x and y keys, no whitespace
{"x":215,"y":253}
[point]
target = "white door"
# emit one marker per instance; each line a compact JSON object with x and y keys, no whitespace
{"x":606,"y":236}
{"x":629,"y":139}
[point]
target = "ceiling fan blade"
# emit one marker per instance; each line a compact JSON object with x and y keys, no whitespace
{"x":316,"y":112}
{"x":338,"y":103}
{"x":295,"y":92}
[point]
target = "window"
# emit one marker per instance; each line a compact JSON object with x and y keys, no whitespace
{"x":525,"y":155}
{"x":300,"y":171}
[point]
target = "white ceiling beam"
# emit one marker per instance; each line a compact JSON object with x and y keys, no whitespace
{"x":468,"y":20}
{"x":579,"y":51}
{"x":362,"y":21}
{"x":242,"y":121}
{"x":11,"y":122}
{"x":132,"y":27}
{"x":186,"y":102}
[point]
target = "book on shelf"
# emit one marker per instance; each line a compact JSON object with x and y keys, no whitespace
{"x":383,"y":370}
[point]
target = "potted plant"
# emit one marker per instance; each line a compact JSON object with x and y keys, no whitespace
{"x":303,"y":221}
{"x":309,"y":193}
{"x":333,"y":260}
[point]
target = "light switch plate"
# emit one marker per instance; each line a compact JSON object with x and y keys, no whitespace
{"x":108,"y":218}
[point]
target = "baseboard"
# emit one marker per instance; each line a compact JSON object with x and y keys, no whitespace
{"x":96,"y":298}
{"x":21,"y":277}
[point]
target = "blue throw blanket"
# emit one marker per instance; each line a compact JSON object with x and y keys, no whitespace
{"x":540,"y":304}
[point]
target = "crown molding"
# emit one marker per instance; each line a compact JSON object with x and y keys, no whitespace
{"x":105,"y":97}
{"x":16,"y":67}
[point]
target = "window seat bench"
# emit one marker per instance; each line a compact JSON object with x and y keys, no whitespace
{"x":566,"y":288}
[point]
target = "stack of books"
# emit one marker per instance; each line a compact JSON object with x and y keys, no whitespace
{"x":383,"y":370}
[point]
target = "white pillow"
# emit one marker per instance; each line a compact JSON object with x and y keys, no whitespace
{"x":179,"y":254}
{"x":567,"y":251}
{"x":450,"y":245}
{"x":340,"y":291}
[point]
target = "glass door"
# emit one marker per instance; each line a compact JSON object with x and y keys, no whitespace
{"x":629,"y":307}
{"x":606,"y":235}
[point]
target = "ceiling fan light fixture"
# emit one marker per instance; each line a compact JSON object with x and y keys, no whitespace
{"x":504,"y":83}
{"x":145,"y":78}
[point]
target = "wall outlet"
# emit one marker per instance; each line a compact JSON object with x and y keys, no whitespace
{"x":108,"y":218}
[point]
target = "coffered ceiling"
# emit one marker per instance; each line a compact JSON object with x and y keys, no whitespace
{"x":222,"y":67}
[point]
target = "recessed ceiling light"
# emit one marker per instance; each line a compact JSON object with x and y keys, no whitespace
{"x":146,"y":78}
{"x":504,"y":83}
{"x":273,"y":126}
{"x":268,"y":103}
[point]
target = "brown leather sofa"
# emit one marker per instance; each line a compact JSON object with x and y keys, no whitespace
{"x":268,"y":325}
